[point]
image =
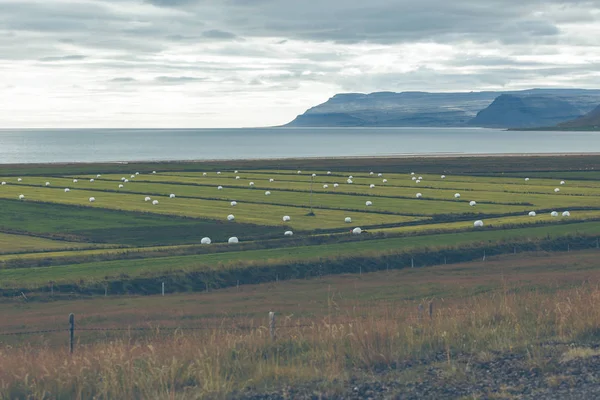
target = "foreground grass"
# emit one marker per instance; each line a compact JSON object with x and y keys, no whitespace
{"x":352,"y":329}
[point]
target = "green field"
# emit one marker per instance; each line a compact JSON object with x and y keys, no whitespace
{"x":53,"y":235}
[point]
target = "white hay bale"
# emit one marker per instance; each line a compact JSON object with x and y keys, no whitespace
{"x":286,"y":218}
{"x":123,"y":179}
{"x":419,"y":195}
{"x":47,"y":183}
{"x":236,"y":171}
{"x":414,"y":178}
{"x":325,"y":186}
{"x":132,"y":176}
{"x":267,"y":193}
{"x":350,"y":177}
{"x":67,"y":190}
{"x":233,"y":240}
{"x":380,"y":175}
{"x":349,"y":181}
{"x":19,"y":179}
{"x":288,"y":233}
{"x":92,"y":180}
{"x":478,"y":223}
{"x":371,"y":186}
{"x":443,"y":176}
{"x":554,"y":214}
{"x":356,"y":231}
{"x":230,"y":217}
{"x":92,"y":199}
{"x":237,"y":177}
{"x":556,"y":190}
{"x":204,"y":174}
{"x":418,"y":181}
{"x":526,"y":179}
{"x":218,"y":172}
{"x":566,"y":214}
{"x":457,"y":195}
{"x":233,"y":203}
{"x":371,"y":173}
{"x":314,"y":175}
{"x":21,"y":197}
{"x":347,"y":220}
{"x":412,"y":173}
{"x":98,"y":176}
{"x":299,"y":172}
{"x":219,"y":187}
{"x":153,"y":172}
{"x":137,"y":173}
{"x":562,"y":182}
{"x":126,"y":180}
{"x":121,"y":186}
{"x":420,"y":178}
{"x":472,"y":203}
{"x":271,"y":180}
{"x":368,"y":203}
{"x":3,"y":183}
{"x":172,"y":196}
{"x":384,"y":181}
{"x":205,"y":240}
{"x":336,"y":185}
{"x":328,"y":172}
{"x":74,"y":180}
{"x":147,"y":198}
{"x":251,"y":183}
{"x":532,"y":213}
{"x":154,"y":202}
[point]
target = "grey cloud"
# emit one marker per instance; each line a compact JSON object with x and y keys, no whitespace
{"x":178,"y":79}
{"x":73,"y":57}
{"x":124,"y":79}
{"x":217,"y":34}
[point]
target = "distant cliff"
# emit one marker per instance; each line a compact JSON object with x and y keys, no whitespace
{"x":590,"y":120}
{"x":423,"y":109}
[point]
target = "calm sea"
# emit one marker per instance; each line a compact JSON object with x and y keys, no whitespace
{"x":93,"y":145}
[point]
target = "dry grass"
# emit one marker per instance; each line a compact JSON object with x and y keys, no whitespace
{"x":214,"y":362}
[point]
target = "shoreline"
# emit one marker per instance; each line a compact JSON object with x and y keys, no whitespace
{"x":316,"y":158}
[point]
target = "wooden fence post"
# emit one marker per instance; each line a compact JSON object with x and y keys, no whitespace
{"x":484,"y":255}
{"x":272,"y":324}
{"x":71,"y":331}
{"x":412,"y":262}
{"x":163,"y":288}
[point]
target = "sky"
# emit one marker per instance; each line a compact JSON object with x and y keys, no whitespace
{"x":246,"y":63}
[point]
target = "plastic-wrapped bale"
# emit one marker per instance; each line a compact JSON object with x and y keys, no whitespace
{"x":3,"y":183}
{"x":380,"y":175}
{"x":251,"y":183}
{"x":74,"y":180}
{"x":47,"y":183}
{"x":286,"y":218}
{"x":19,"y":180}
{"x":350,"y":177}
{"x":172,"y":196}
{"x":92,"y":199}
{"x":371,"y":173}
{"x":419,"y":195}
{"x":418,"y":181}
{"x":368,"y":203}
{"x":472,"y":203}
{"x":205,"y":240}
{"x":356,"y":231}
{"x":230,"y":217}
{"x":233,"y":240}
{"x":271,"y":180}
{"x":67,"y":190}
{"x":384,"y":181}
{"x":414,"y":178}
{"x":123,"y":179}
{"x":288,"y":233}
{"x":412,"y":173}
{"x":219,"y":187}
{"x":457,"y":195}
{"x":121,"y":186}
{"x":336,"y":185}
{"x":299,"y":172}
{"x":371,"y":186}
{"x":314,"y":175}
{"x":420,"y":178}
{"x":349,"y":180}
{"x":267,"y":193}
{"x":137,"y":173}
{"x":237,"y":177}
{"x":443,"y":176}
{"x":566,"y":214}
{"x":236,"y":171}
{"x":147,"y":198}
{"x":526,"y":179}
{"x":98,"y":176}
{"x":554,"y":214}
{"x":347,"y":220}
{"x":233,"y":203}
{"x":325,"y":186}
{"x":92,"y":180}
{"x":328,"y":172}
{"x":204,"y":174}
{"x":154,"y":202}
{"x":556,"y":190}
{"x":478,"y":223}
{"x":562,"y":182}
{"x":532,"y":213}
{"x":132,"y":176}
{"x":218,"y":172}
{"x":153,"y":172}
{"x":21,"y":197}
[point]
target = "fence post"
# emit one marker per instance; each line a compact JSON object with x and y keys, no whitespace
{"x":272,"y":324}
{"x":568,"y":247}
{"x":431,"y":309}
{"x":163,"y":288}
{"x":412,"y":262}
{"x":484,"y":255}
{"x":445,"y":261}
{"x":71,"y":331}
{"x":420,"y":312}
{"x":597,"y":244}
{"x":105,"y":290}
{"x":360,"y":270}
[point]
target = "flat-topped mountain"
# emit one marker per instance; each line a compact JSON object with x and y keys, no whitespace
{"x":414,"y":109}
{"x":590,"y":120}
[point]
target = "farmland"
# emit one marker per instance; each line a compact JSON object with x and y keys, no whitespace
{"x":350,"y":306}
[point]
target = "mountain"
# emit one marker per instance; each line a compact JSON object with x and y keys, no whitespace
{"x":510,"y":111}
{"x":414,"y":109}
{"x":590,"y":120}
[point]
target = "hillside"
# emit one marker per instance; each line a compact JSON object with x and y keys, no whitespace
{"x":510,"y":111}
{"x":387,"y":109}
{"x":589,"y":120}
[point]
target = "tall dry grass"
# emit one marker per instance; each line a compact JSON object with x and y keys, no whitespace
{"x":216,"y":362}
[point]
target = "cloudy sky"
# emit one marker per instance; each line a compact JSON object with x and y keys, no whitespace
{"x":240,"y":63}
